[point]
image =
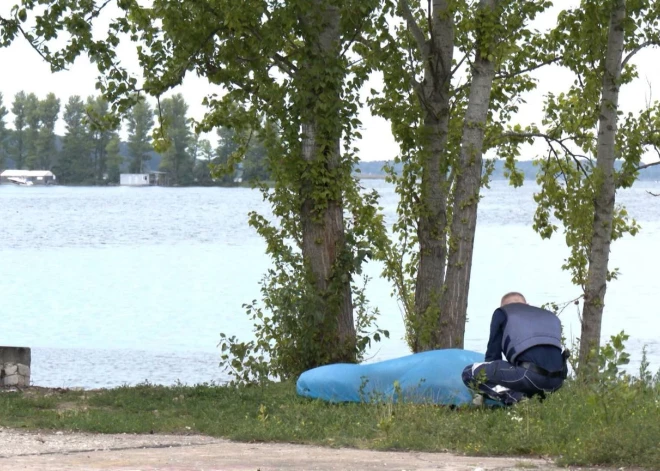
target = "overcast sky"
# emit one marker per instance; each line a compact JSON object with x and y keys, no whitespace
{"x":23,"y":69}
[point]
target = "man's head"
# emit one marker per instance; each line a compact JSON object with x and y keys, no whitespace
{"x":513,"y":297}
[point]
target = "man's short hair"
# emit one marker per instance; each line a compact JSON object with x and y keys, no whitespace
{"x":512,"y":297}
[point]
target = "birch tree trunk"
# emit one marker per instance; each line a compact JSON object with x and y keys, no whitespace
{"x":594,"y":297}
{"x":434,"y":96}
{"x":443,"y":277}
{"x":453,"y":309}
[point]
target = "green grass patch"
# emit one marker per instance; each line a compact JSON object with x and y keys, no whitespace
{"x":579,"y":425}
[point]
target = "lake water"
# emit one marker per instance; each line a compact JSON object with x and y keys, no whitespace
{"x":121,"y":285}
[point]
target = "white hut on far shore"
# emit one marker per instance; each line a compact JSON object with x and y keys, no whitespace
{"x":28,"y":177}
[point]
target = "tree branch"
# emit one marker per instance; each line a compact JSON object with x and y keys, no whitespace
{"x":97,"y":11}
{"x":282,"y":62}
{"x":213,"y":70}
{"x":565,"y":304}
{"x":30,"y":40}
{"x":504,"y":76}
{"x":549,"y":140}
{"x":287,"y":38}
{"x":652,"y":164}
{"x":414,"y":28}
{"x":553,"y":151}
{"x":416,"y":86}
{"x":358,"y":33}
{"x":285,"y":64}
{"x":458,"y":65}
{"x":429,"y":18}
{"x":635,"y":51}
{"x":528,"y":69}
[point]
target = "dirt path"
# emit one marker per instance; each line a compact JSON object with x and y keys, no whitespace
{"x":59,"y":451}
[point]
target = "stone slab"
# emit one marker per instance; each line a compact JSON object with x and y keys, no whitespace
{"x":11,"y":380}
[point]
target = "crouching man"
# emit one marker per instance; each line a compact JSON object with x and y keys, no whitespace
{"x":530,"y":339}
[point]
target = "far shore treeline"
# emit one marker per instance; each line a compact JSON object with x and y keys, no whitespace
{"x":91,"y":154}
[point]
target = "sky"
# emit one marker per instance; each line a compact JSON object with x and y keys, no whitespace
{"x":23,"y":69}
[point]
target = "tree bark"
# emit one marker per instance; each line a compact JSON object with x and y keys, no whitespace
{"x":323,"y":238}
{"x":594,"y":295}
{"x":434,"y":94}
{"x":453,"y":311}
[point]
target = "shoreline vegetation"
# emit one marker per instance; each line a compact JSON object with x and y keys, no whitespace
{"x":609,"y":421}
{"x":365,"y":170}
{"x":269,"y":183}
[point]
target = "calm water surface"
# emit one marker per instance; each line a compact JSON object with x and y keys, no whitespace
{"x":114,"y":286}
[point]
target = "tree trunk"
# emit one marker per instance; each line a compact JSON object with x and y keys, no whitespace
{"x":434,"y":96}
{"x":323,"y":239}
{"x":453,"y":312}
{"x":594,"y":295}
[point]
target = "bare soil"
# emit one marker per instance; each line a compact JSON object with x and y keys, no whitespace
{"x":59,"y":451}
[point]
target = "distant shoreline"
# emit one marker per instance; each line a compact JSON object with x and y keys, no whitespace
{"x":360,"y":176}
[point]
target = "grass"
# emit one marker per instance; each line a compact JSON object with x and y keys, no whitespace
{"x":579,"y":425}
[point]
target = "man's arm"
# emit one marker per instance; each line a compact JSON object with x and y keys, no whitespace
{"x":494,"y":349}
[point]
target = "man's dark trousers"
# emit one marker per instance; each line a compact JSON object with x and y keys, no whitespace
{"x":504,"y":382}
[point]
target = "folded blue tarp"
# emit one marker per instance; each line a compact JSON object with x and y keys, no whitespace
{"x":429,"y":377}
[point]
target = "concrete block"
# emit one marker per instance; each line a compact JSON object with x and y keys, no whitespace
{"x":15,"y":366}
{"x":22,"y":355}
{"x":11,"y":380}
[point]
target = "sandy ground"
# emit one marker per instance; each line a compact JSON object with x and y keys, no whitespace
{"x":59,"y":451}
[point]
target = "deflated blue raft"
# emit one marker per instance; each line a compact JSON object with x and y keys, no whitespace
{"x":430,"y":377}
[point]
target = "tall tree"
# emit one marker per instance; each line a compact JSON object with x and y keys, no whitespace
{"x":100,"y":132}
{"x":4,"y":133}
{"x":140,"y":121}
{"x":75,"y":165}
{"x":252,"y":163}
{"x":114,"y":159}
{"x":443,"y":128}
{"x":204,"y":155}
{"x":46,"y":152}
{"x":194,"y":146}
{"x":177,"y":161}
{"x":255,"y":164}
{"x":584,"y":124}
{"x":40,"y":116}
{"x":33,"y":121}
{"x":605,"y":191}
{"x":228,"y":147}
{"x":287,"y":63}
{"x":19,"y":136}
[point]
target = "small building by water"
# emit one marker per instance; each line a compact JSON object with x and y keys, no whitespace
{"x":134,"y":179}
{"x":36,"y":177}
{"x":143,"y":179}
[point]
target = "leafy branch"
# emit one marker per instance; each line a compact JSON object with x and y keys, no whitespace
{"x":531,"y":68}
{"x":632,"y":53}
{"x":415,"y":29}
{"x":561,"y":142}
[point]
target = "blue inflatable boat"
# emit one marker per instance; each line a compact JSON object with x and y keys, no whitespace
{"x":428,"y":377}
